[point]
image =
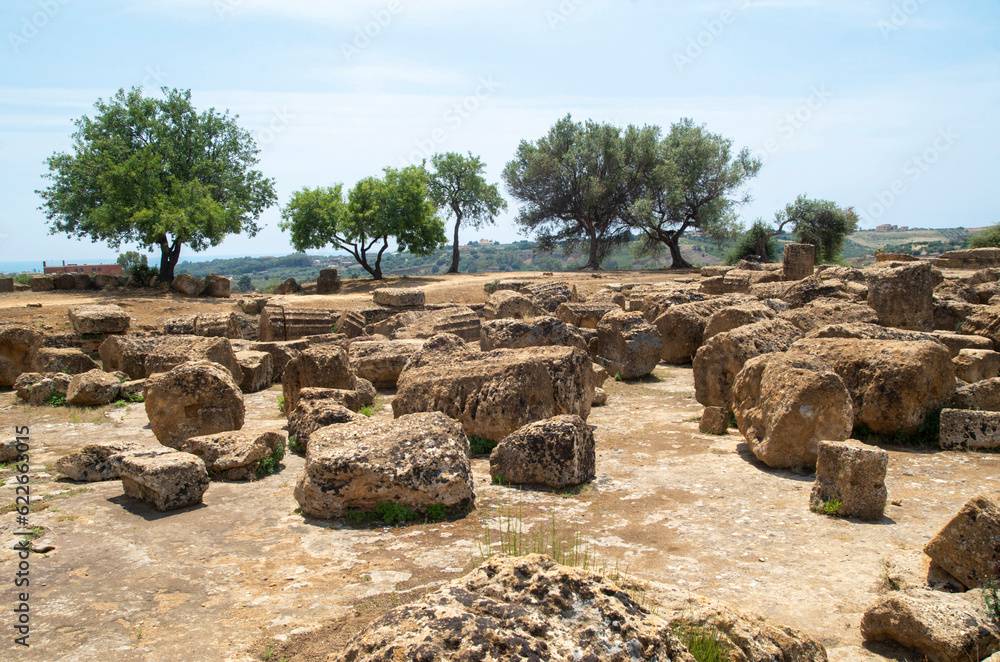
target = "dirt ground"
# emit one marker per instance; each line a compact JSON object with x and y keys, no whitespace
{"x":246,"y":577}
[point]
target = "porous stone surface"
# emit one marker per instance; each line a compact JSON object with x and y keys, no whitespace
{"x":718,"y":361}
{"x":894,"y":384}
{"x":288,"y":286}
{"x":252,"y":305}
{"x":817,"y":286}
{"x":942,"y":626}
{"x":494,"y":393}
{"x":167,"y":479}
{"x":8,"y":450}
{"x":328,"y":282}
{"x":281,"y":353}
{"x":257,"y":370}
{"x":824,"y":312}
{"x":99,"y":319}
{"x":187,"y":285}
{"x":865,"y":331}
{"x":461,"y":321}
{"x":18,"y":345}
{"x":417,"y":460}
{"x":234,"y":455}
{"x":217,"y":287}
{"x":281,"y":323}
{"x":311,"y":414}
{"x":323,"y":366}
{"x":557,"y":452}
{"x":6,"y":285}
{"x":94,"y":387}
{"x":600,"y":397}
{"x":714,"y":420}
{"x":786,"y":403}
{"x":42,"y":284}
{"x":509,"y":304}
{"x":585,"y":315}
{"x":543,"y":331}
{"x":38,"y":388}
{"x":209,"y":325}
{"x":92,"y":463}
{"x":194,"y":399}
{"x":68,"y":360}
{"x":733,"y":317}
{"x":956,"y":342}
{"x":969,"y":430}
{"x":399,"y":297}
{"x":983,"y":395}
{"x":140,"y":357}
{"x":526,"y":608}
{"x":798,"y":261}
{"x":381,"y":361}
{"x":975,"y":365}
{"x":967,"y":547}
{"x":547,"y":296}
{"x":983,"y":322}
{"x":627,"y":344}
{"x":853,"y":474}
{"x":682,"y":328}
{"x":903,"y":297}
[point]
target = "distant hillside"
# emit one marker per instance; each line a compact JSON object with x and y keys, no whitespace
{"x":265,"y":272}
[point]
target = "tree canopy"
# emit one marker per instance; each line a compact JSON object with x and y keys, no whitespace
{"x":576,"y":184}
{"x":988,"y":238}
{"x":157,"y":173}
{"x":821,"y":223}
{"x":396,"y":206}
{"x":457,"y":185}
{"x":692,"y":181}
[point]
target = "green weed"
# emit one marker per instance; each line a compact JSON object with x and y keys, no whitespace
{"x":991,"y":600}
{"x":272,"y":462}
{"x":436,"y":512}
{"x":385,"y":511}
{"x":367,"y":410}
{"x":704,"y":642}
{"x":295,"y":446}
{"x":618,"y":377}
{"x":928,"y":434}
{"x":56,"y":399}
{"x":281,"y":403}
{"x":480,"y":446}
{"x":491,"y":286}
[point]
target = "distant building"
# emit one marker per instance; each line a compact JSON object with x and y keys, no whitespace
{"x":885,"y":228}
{"x":486,"y":242}
{"x":103,"y":269}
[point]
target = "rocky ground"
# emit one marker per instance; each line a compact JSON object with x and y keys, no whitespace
{"x":246,"y":577}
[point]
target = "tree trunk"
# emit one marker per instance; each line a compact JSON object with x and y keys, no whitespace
{"x":593,"y":262}
{"x":169,"y":255}
{"x":453,"y":269}
{"x":677,"y":260}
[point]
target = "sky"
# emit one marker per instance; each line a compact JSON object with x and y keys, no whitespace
{"x":886,"y":106}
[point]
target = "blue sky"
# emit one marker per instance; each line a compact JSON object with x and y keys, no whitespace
{"x":889,"y":106}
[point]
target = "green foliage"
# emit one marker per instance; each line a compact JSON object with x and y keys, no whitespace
{"x":367,"y":410}
{"x":457,"y":186}
{"x":704,"y":642}
{"x":281,"y":403}
{"x":135,"y":397}
{"x":821,"y":223}
{"x":988,"y":238}
{"x":691,"y":180}
{"x":295,"y":446}
{"x":480,"y":446}
{"x":136,"y":265}
{"x":244,"y":284}
{"x":272,"y":463}
{"x":748,"y":244}
{"x":618,"y":377}
{"x":385,"y":511}
{"x":23,"y":279}
{"x":436,"y":512}
{"x":376,"y":210}
{"x":832,"y":507}
{"x":56,"y":399}
{"x":157,"y":173}
{"x":577,"y":182}
{"x":991,"y":600}
{"x":492,"y":286}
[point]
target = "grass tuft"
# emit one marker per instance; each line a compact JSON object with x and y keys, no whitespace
{"x":272,"y":463}
{"x":704,"y":642}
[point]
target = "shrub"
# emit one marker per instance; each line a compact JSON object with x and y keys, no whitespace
{"x":271,"y":463}
{"x":480,"y":446}
{"x":988,"y":238}
{"x":746,"y":245}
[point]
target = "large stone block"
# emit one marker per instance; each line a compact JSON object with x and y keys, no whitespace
{"x":94,"y":387}
{"x":504,"y":304}
{"x":798,"y":261}
{"x":42,"y":284}
{"x":903,"y":297}
{"x":323,"y":366}
{"x":718,"y":361}
{"x":585,"y":315}
{"x":381,"y":361}
{"x":969,"y":430}
{"x":234,"y":455}
{"x":93,"y":462}
{"x":67,"y":360}
{"x":187,"y":285}
{"x":419,"y":460}
{"x":557,"y":452}
{"x":968,"y":547}
{"x":282,"y":323}
{"x":194,"y":399}
{"x":544,"y":331}
{"x":328,"y":282}
{"x":894,"y":383}
{"x":975,"y":365}
{"x":208,"y":325}
{"x":494,"y":393}
{"x":18,"y":345}
{"x":257,"y":370}
{"x":786,"y":404}
{"x":167,"y":479}
{"x":627,"y":344}
{"x":217,"y":287}
{"x":852,"y":474}
{"x":398,"y":297}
